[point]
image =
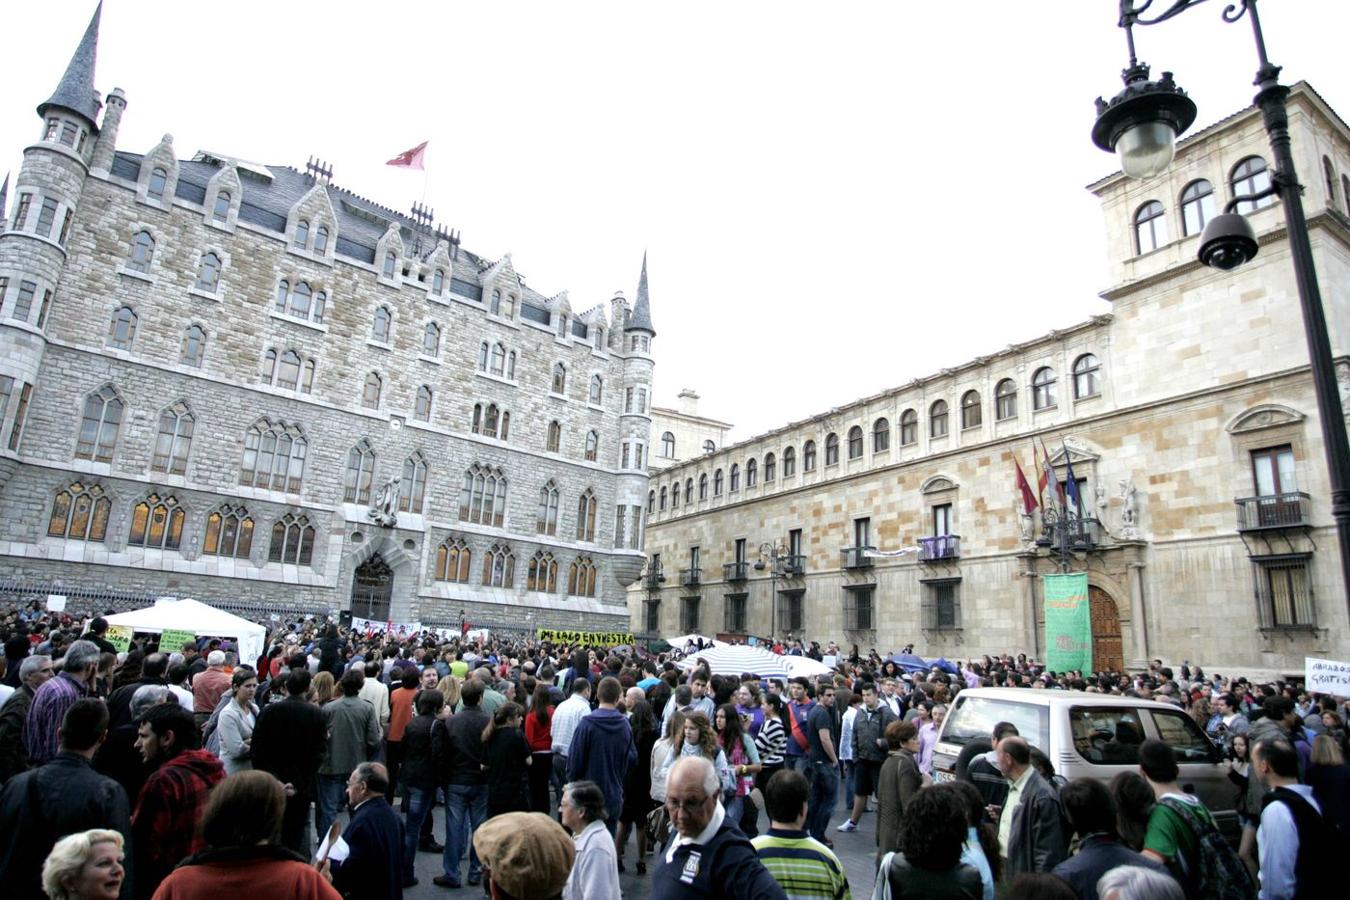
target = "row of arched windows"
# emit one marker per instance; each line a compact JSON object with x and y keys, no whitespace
{"x":547,"y":520}
{"x":1197,"y":204}
{"x":1086,"y":383}
{"x":454,"y":564}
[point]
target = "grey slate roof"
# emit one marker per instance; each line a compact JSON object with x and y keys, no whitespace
{"x":76,"y":90}
{"x":642,"y":306}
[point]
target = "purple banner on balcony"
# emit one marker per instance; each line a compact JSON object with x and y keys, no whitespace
{"x":1068,"y":622}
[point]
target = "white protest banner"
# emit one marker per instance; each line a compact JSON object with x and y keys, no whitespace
{"x":56,"y":602}
{"x":1326,"y":676}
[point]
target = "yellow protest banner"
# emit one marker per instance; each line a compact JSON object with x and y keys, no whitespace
{"x":119,"y":636}
{"x":592,"y":638}
{"x":172,"y":640}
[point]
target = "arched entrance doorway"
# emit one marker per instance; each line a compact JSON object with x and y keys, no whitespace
{"x":372,"y":588}
{"x":1107,"y":650}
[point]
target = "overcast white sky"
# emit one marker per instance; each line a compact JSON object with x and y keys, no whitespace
{"x":835,"y":197}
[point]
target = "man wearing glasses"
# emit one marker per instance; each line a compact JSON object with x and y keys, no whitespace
{"x":706,"y":855}
{"x":33,"y":671}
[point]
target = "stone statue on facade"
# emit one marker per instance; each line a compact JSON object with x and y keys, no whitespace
{"x":384,"y":511}
{"x":1129,"y":515}
{"x":1028,"y":525}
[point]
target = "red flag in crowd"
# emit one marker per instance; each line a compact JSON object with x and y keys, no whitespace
{"x":463,"y":628}
{"x":410,"y":159}
{"x":1028,"y":498}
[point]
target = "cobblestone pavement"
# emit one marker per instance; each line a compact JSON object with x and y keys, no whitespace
{"x":857,"y":851}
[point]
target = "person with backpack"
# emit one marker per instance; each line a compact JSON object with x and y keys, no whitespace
{"x":1182,"y":834}
{"x":1296,"y":850}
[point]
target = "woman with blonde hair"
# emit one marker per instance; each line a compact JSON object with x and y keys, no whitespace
{"x":450,"y":687}
{"x":86,"y":865}
{"x":697,"y":738}
{"x":322,"y":689}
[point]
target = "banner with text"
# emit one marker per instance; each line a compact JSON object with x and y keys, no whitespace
{"x":1326,"y":676}
{"x":173,"y":639}
{"x":1068,"y":622}
{"x":398,"y":630}
{"x":119,"y":636}
{"x":590,"y":638}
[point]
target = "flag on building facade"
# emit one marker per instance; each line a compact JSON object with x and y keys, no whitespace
{"x":411,"y":159}
{"x":1056,"y":498}
{"x":1071,"y":483}
{"x":1028,"y":498}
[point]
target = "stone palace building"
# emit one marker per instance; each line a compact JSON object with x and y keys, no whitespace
{"x":244,"y":384}
{"x":1186,"y":413}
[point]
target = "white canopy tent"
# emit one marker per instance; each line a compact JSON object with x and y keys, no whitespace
{"x":805,"y":667}
{"x":736,"y":659}
{"x":679,"y":641}
{"x":169,"y":614}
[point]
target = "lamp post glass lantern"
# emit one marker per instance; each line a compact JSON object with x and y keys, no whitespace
{"x":1135,"y":125}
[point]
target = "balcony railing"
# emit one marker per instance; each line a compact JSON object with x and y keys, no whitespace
{"x":1274,"y":511}
{"x":735,"y":571}
{"x":691,"y":577}
{"x":857,"y":558}
{"x":791,"y":566}
{"x":939,"y":547}
{"x":652,"y":581}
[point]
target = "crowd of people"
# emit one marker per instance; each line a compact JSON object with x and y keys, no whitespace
{"x":315,"y":771}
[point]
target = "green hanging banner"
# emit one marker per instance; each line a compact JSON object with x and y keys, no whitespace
{"x":1068,"y":623}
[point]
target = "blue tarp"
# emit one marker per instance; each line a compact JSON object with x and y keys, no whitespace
{"x":911,"y":663}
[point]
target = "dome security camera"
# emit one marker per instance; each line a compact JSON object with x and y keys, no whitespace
{"x":1227,"y":242}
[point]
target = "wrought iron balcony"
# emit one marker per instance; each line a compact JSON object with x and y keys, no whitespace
{"x":790,"y":566}
{"x":1072,"y":534}
{"x":857,"y":558}
{"x":652,"y":581}
{"x":1274,"y":511}
{"x":735,"y":571}
{"x":691,"y":577}
{"x":939,"y":547}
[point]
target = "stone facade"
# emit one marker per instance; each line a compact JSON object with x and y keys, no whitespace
{"x":1172,"y":410}
{"x":174,"y":330}
{"x":689,"y":433}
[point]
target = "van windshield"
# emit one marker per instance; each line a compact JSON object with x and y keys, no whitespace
{"x":975,"y":718}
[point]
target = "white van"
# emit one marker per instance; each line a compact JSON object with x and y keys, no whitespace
{"x":1091,"y":735}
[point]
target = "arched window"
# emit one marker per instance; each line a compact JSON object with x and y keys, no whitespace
{"x":431,"y":339}
{"x":483,"y":497}
{"x":511,"y":365}
{"x":1005,"y":400}
{"x":1150,"y":227}
{"x":194,"y":347}
{"x":717,"y":483}
{"x":651,"y":502}
{"x":1197,"y":206}
{"x":1043,"y":388}
{"x":438,"y":282}
{"x":553,"y":441}
{"x":1345,"y":192}
{"x":559,"y":385}
{"x":452,"y":561}
{"x":321,"y":240}
{"x":229,"y":533}
{"x":1086,"y":376}
{"x":689,"y":490}
{"x":909,"y":428}
{"x":122,"y":330}
{"x":390,"y":264}
{"x":770,"y":467}
{"x":831,"y":449}
{"x":881,"y":435}
{"x":709,"y":447}
{"x":142,"y":252}
{"x":1250,"y":176}
{"x":597,"y":390}
{"x":292,"y":541}
{"x":283,"y":295}
{"x":972,"y":414}
{"x":855,"y":442}
{"x":592,"y":446}
{"x":159,"y":180}
{"x":173,"y":440}
{"x":495,"y":307}
{"x":542,"y":573}
{"x":360,"y":473}
{"x":157,"y":523}
{"x":379,"y":327}
{"x":675,"y":495}
{"x":370,"y":394}
{"x":307,"y":377}
{"x":208,"y":273}
{"x":735,"y":477}
{"x":498,"y":366}
{"x":221,"y":211}
{"x":99,"y":425}
{"x":288,"y":370}
{"x":302,"y":233}
{"x":751,"y":472}
{"x":586,"y":510}
{"x":789,"y":461}
{"x":274,"y":457}
{"x":422,"y":406}
{"x":301,"y":298}
{"x":703,"y":486}
{"x":547,"y":522}
{"x":665,"y":494}
{"x":269,"y":366}
{"x":668,"y":444}
{"x":499,"y":567}
{"x":80,"y":512}
{"x":581,"y":578}
{"x":412,"y":487}
{"x":937,"y":419}
{"x":483,"y":356}
{"x":809,"y":456}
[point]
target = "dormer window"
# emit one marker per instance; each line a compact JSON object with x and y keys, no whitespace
{"x":438,"y":282}
{"x":302,"y":234}
{"x":496,"y":306}
{"x":321,"y":240}
{"x":390,"y":264}
{"x":159,"y":179}
{"x":221,"y":212}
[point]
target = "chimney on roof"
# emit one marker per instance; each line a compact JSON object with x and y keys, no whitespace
{"x":688,"y":402}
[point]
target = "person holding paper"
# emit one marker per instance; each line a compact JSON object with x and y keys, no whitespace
{"x":374,"y":837}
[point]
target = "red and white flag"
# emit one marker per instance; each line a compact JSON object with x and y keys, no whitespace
{"x":410,"y":159}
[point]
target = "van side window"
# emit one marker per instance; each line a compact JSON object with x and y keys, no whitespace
{"x":1185,"y":738}
{"x":1108,"y":736}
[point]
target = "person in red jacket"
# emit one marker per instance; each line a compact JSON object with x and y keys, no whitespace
{"x":539,"y":735}
{"x":164,"y":821}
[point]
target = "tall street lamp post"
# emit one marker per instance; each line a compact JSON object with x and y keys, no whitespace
{"x":1141,"y":124}
{"x":771,"y":553}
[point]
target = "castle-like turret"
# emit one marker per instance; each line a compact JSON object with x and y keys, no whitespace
{"x":635,"y":423}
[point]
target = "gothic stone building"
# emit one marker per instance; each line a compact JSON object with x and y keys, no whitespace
{"x":243,"y":384}
{"x":1186,"y":413}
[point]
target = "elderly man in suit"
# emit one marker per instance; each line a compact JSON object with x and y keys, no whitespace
{"x":373,"y":869}
{"x":1030,"y":825}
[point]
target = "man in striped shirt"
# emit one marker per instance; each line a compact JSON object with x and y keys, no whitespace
{"x":805,"y":868}
{"x":51,"y":701}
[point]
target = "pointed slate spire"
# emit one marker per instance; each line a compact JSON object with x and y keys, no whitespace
{"x":4,"y":199}
{"x":642,"y":306}
{"x":76,"y":90}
